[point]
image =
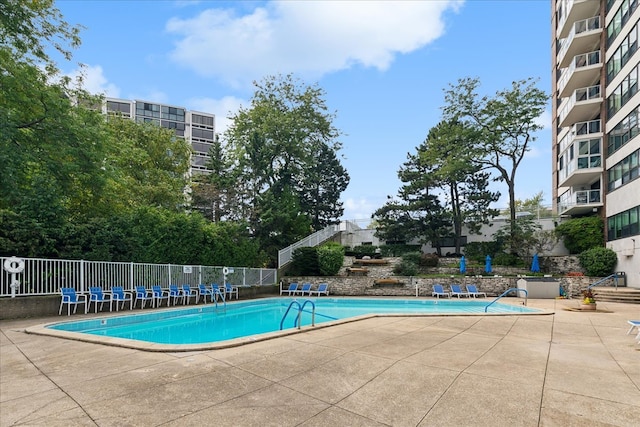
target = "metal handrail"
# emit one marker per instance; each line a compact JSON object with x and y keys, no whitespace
{"x":287,"y":312}
{"x":313,"y":313}
{"x":613,"y":276}
{"x":297,"y":322}
{"x":218,"y":292}
{"x":526,"y":294}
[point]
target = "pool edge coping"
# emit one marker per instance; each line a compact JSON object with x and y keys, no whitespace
{"x":44,"y":330}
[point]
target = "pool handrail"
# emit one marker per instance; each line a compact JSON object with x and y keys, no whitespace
{"x":486,"y":307}
{"x":300,"y":308}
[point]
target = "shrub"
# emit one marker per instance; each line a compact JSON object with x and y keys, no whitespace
{"x":478,"y":251}
{"x":304,"y":262}
{"x":412,"y":257}
{"x":598,"y":262}
{"x":330,"y":258}
{"x":364,"y":250}
{"x":509,"y":260}
{"x":429,"y":260}
{"x":398,"y":249}
{"x":406,"y":268}
{"x":581,"y":234}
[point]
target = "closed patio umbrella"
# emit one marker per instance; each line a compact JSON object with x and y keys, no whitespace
{"x":535,"y":264}
{"x":463,"y":265}
{"x":487,"y":264}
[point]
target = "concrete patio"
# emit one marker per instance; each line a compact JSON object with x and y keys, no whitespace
{"x":570,"y":368}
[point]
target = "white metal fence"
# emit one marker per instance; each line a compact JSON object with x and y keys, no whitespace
{"x":47,"y":276}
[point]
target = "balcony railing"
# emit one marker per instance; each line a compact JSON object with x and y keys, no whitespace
{"x":579,"y":61}
{"x":586,"y":128}
{"x":578,"y":27}
{"x":578,"y":198}
{"x":580,"y":95}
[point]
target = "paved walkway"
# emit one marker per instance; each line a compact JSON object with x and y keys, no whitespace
{"x":571,"y":368}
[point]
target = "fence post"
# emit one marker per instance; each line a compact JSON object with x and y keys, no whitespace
{"x":81,"y":275}
{"x":131,"y":277}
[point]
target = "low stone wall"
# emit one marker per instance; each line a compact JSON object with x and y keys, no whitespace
{"x":493,"y":286}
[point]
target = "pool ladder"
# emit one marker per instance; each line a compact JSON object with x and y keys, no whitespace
{"x":300,"y":310}
{"x":505,"y":293}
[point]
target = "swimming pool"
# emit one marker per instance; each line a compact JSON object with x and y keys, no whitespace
{"x":187,"y":328}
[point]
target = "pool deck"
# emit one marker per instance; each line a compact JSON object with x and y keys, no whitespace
{"x":570,"y":368}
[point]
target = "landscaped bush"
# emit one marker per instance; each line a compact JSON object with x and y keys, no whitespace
{"x":330,"y":258}
{"x":406,"y":268}
{"x":581,"y":234}
{"x":509,"y":260}
{"x":598,"y":262}
{"x":304,"y":262}
{"x":397,"y":250}
{"x":413,"y":257}
{"x":478,"y":251}
{"x":429,"y":260}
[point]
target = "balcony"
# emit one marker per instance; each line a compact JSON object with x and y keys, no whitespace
{"x":591,"y":127}
{"x":575,"y":10}
{"x":583,"y":71}
{"x":581,"y":171}
{"x":584,"y":37}
{"x":583,"y":104}
{"x":580,"y":202}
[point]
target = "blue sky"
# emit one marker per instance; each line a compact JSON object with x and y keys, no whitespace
{"x":383,"y":65}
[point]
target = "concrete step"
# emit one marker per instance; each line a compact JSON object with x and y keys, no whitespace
{"x":620,"y":294}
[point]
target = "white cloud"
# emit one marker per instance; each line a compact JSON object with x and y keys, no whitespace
{"x":544,"y":120}
{"x":93,"y":80}
{"x":308,"y":38}
{"x":222,"y":108}
{"x":358,"y":209}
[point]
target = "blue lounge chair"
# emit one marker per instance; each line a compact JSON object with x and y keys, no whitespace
{"x":119,"y":295}
{"x":231,"y":290}
{"x":159,"y":294}
{"x":305,"y":289}
{"x":71,"y":298}
{"x":291,"y":290}
{"x":218,"y":292}
{"x":187,"y":293}
{"x":143,"y":295}
{"x":96,"y":295}
{"x":472,"y":290}
{"x":438,"y":291}
{"x":457,"y":291}
{"x":204,"y":291}
{"x":323,"y":289}
{"x":175,"y":293}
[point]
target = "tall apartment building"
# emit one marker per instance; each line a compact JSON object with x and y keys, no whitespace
{"x":595,"y":109}
{"x":196,"y":127}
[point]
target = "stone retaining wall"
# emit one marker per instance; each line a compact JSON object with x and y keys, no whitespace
{"x":365,"y":286}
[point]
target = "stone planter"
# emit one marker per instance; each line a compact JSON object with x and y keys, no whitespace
{"x":587,"y":307}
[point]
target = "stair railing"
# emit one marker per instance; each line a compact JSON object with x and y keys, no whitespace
{"x":505,"y":293}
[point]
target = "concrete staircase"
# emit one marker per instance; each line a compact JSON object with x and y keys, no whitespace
{"x":619,"y":294}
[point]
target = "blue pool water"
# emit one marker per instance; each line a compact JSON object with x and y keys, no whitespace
{"x":206,"y":323}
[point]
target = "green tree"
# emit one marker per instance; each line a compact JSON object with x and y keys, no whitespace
{"x":507,"y":124}
{"x":148,"y":165}
{"x":320,"y":190}
{"x":448,"y":153}
{"x":276,"y":141}
{"x":418,"y":213}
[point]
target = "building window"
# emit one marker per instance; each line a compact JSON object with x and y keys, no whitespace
{"x":621,"y":56}
{"x":627,"y":7}
{"x":624,"y":131}
{"x":624,"y":171}
{"x":624,"y":224}
{"x":623,"y":93}
{"x":202,"y":120}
